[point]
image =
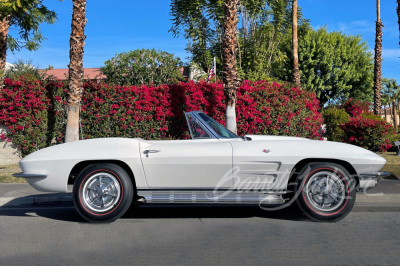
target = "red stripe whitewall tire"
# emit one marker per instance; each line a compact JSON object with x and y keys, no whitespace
{"x":325,"y":191}
{"x":102,"y":192}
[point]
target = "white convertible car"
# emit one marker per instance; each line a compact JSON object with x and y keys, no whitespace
{"x":214,"y":167}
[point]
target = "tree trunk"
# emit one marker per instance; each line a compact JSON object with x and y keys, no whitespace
{"x":4,"y":27}
{"x":296,"y":71}
{"x":398,"y":17}
{"x":229,"y":51}
{"x":395,"y":121}
{"x":391,"y":113}
{"x":77,"y":43}
{"x":378,"y":60}
{"x":398,"y":21}
{"x":385,"y":114}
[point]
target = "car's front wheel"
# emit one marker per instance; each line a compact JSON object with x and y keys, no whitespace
{"x":102,"y":192}
{"x":325,"y":191}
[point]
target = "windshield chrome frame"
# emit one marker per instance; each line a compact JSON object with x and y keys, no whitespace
{"x":209,"y":130}
{"x":201,"y":123}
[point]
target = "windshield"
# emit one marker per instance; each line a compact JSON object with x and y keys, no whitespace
{"x":217,"y":127}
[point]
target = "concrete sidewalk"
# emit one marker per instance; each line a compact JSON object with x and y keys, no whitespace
{"x":15,"y":195}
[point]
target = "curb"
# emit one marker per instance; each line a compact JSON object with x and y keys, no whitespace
{"x":66,"y":199}
{"x":378,"y":197}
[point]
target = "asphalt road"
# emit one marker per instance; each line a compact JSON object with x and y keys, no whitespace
{"x":51,"y":235}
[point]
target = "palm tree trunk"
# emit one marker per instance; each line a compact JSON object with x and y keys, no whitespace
{"x":4,"y":27}
{"x":398,"y":17}
{"x":398,"y":21}
{"x":296,"y":71}
{"x":77,"y":43}
{"x":385,"y":114}
{"x":391,"y":113}
{"x":229,"y":51}
{"x":395,"y":121}
{"x":378,"y":60}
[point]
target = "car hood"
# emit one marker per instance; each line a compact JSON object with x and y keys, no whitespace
{"x":301,"y":148}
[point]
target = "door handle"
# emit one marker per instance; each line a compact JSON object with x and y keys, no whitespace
{"x":150,"y":151}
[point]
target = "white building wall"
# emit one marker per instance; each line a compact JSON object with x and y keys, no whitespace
{"x":9,"y":154}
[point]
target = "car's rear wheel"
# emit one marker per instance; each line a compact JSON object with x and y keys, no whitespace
{"x":325,"y":191}
{"x":102,"y":192}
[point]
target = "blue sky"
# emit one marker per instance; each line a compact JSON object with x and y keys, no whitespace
{"x":131,"y":24}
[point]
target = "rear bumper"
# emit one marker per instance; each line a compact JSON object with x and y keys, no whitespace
{"x":30,"y":175}
{"x":370,"y":180}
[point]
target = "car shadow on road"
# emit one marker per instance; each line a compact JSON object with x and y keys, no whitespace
{"x":60,"y":208}
{"x":69,"y":214}
{"x":64,"y":211}
{"x":290,"y":213}
{"x":66,"y":214}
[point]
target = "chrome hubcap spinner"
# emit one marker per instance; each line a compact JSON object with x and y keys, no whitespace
{"x":101,"y":192}
{"x":325,"y":191}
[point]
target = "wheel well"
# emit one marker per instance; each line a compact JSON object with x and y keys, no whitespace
{"x":302,"y":163}
{"x":82,"y":165}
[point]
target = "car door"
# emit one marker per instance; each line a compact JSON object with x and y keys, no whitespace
{"x":204,"y":163}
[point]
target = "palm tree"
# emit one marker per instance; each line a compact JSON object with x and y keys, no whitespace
{"x":378,"y":59}
{"x":26,"y":16}
{"x":296,"y":71}
{"x":229,"y":51}
{"x":391,"y":95}
{"x":77,"y":43}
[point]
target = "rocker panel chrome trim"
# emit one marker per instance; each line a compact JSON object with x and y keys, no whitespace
{"x":209,"y":197}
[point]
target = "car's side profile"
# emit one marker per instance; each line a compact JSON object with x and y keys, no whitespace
{"x":214,"y":167}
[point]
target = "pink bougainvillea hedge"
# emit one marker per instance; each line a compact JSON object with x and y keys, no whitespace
{"x":367,"y":132}
{"x":34,"y":111}
{"x":365,"y":129}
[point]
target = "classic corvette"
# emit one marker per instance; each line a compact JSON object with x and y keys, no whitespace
{"x":214,"y":167}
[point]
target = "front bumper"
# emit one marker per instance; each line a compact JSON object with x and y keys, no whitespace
{"x":370,"y":180}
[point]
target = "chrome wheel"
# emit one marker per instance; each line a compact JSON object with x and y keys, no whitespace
{"x":325,"y":191}
{"x":101,"y":192}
